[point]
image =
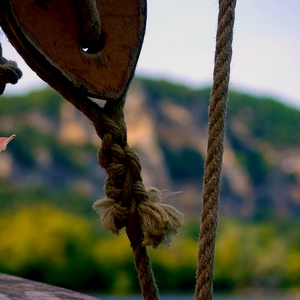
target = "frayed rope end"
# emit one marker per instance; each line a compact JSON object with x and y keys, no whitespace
{"x":160,"y":221}
{"x":112,"y":215}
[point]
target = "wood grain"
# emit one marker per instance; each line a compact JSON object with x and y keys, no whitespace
{"x":53,"y":30}
{"x":12,"y":288}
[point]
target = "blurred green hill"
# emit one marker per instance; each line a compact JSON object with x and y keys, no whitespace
{"x":54,"y":154}
{"x":49,"y":178}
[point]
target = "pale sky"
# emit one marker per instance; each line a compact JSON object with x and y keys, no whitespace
{"x":180,"y":40}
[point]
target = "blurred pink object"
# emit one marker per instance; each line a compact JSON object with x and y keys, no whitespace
{"x":4,"y":141}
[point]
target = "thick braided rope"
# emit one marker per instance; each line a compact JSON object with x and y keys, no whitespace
{"x":128,"y":204}
{"x":213,"y":164}
{"x":9,"y":72}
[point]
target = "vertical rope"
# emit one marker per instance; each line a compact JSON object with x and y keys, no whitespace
{"x":123,"y":168}
{"x":213,"y":164}
{"x":148,"y":221}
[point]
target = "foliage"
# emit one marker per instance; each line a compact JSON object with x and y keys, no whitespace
{"x":44,"y":243}
{"x":196,"y":100}
{"x":40,"y":242}
{"x":267,"y":118}
{"x":185,"y":163}
{"x":46,"y":100}
{"x":68,"y":200}
{"x":40,"y":158}
{"x":49,"y":232}
{"x":158,"y":89}
{"x":251,"y":159}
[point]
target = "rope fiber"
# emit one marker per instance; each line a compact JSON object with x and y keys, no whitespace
{"x":148,"y":221}
{"x":213,"y":164}
{"x":9,"y":72}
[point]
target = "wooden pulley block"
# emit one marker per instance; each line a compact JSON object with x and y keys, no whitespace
{"x":49,"y":35}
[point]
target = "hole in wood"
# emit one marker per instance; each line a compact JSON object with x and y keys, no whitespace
{"x":95,"y":47}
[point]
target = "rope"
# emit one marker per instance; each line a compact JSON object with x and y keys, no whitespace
{"x":148,"y":221}
{"x":9,"y":72}
{"x":213,"y":164}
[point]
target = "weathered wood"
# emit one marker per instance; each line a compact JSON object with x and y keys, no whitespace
{"x":15,"y":288}
{"x":52,"y":30}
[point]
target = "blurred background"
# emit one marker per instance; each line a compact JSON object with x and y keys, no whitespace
{"x":49,"y":175}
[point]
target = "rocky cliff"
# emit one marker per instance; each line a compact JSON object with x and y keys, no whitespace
{"x":54,"y":154}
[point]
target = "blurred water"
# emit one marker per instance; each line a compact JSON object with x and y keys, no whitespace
{"x":191,"y":297}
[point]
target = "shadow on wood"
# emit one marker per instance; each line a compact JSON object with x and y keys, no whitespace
{"x":12,"y":288}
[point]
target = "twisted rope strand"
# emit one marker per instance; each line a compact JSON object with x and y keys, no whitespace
{"x":114,"y":213}
{"x":9,"y":72}
{"x":213,"y":164}
{"x":147,"y":220}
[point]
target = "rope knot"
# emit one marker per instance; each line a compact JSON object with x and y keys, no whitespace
{"x":9,"y":72}
{"x":148,"y":221}
{"x":159,"y":221}
{"x":113,"y":215}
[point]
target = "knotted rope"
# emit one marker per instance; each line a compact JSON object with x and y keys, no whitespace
{"x":9,"y":72}
{"x":213,"y":164}
{"x":148,"y":221}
